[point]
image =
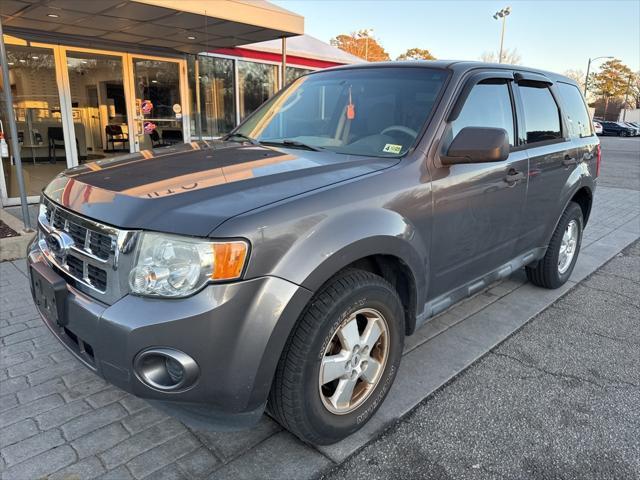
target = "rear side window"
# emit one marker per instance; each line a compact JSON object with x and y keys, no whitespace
{"x":541,"y":114}
{"x":488,"y":105}
{"x":575,"y":111}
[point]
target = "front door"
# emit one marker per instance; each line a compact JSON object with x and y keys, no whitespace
{"x":478,"y":207}
{"x":159,"y":106}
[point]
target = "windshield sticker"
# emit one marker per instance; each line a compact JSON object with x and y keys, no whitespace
{"x":392,"y":148}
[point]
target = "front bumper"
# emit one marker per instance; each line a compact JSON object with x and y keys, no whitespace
{"x":235,"y":332}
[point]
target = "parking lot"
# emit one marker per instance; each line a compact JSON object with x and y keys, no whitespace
{"x":59,"y":420}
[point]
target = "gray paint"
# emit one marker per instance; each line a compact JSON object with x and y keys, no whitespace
{"x":307,"y":215}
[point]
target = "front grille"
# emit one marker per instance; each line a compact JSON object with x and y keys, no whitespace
{"x":75,"y":266}
{"x":91,"y":261}
{"x":92,"y":241}
{"x":97,"y":277}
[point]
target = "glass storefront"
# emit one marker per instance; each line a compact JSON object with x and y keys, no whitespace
{"x":158,"y":103}
{"x":291,"y":73}
{"x":256,"y":82}
{"x":217,"y":95}
{"x":36,"y":103}
{"x":99,"y":105}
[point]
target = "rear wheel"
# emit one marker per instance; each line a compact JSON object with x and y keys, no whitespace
{"x":340,"y":360}
{"x":555,"y":268}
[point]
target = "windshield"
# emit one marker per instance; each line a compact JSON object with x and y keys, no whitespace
{"x":367,"y":111}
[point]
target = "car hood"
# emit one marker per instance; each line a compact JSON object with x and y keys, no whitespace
{"x":191,"y":189}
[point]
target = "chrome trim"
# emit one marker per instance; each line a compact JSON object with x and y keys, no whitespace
{"x":121,"y":253}
{"x":149,"y":369}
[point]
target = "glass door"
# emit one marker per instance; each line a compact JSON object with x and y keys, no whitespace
{"x":37,"y":107}
{"x":158,"y":102}
{"x":99,"y":105}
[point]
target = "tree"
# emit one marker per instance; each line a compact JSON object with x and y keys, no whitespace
{"x":361,"y":44}
{"x":634,"y":91}
{"x":416,"y":54}
{"x":612,"y":81}
{"x":509,"y":56}
{"x":577,"y":76}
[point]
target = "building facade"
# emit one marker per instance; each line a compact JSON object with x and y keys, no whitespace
{"x":92,"y":80}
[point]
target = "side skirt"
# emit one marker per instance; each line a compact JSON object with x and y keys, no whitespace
{"x":449,"y":299}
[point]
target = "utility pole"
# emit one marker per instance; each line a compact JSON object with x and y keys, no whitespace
{"x":503,"y":15}
{"x":626,"y":96}
{"x":367,"y":33}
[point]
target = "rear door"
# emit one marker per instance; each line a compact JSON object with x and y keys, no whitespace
{"x":477,"y":207}
{"x":552,"y":155}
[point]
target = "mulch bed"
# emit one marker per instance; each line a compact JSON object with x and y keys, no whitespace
{"x":6,"y":231}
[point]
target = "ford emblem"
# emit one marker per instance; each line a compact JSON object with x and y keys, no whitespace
{"x":59,"y":243}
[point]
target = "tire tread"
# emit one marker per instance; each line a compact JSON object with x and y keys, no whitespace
{"x":283,"y":404}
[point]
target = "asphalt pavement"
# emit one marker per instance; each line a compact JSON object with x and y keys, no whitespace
{"x":560,"y":399}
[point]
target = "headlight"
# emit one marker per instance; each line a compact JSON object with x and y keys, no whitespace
{"x":174,"y":266}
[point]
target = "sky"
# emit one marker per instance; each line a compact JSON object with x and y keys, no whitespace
{"x":552,"y":35}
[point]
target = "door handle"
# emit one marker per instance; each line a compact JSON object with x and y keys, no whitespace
{"x":568,"y":161}
{"x":513,"y":177}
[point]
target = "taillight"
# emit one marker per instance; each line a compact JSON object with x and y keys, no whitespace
{"x":598,"y":160}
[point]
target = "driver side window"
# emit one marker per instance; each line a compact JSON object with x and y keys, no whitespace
{"x":488,"y":105}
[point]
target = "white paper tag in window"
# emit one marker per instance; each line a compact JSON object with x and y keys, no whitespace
{"x":392,"y":148}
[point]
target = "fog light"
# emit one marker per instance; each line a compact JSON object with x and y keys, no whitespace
{"x":174,"y":369}
{"x":166,"y":369}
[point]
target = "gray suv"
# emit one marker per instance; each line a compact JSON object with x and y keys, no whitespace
{"x":281,"y":267}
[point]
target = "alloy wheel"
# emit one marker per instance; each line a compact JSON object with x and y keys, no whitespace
{"x":354,"y":361}
{"x":568,"y":246}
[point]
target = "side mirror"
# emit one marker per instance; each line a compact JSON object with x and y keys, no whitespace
{"x":476,"y":145}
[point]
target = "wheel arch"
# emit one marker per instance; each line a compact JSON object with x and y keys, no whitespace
{"x":583,"y":197}
{"x":582,"y":194}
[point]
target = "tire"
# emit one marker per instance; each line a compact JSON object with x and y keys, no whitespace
{"x":298,"y":400}
{"x":547,"y":272}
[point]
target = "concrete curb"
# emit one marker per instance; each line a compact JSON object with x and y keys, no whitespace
{"x":12,"y":248}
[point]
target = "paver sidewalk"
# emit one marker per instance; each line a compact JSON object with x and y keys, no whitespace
{"x":58,"y":419}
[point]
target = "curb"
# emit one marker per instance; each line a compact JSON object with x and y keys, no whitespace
{"x":13,"y":248}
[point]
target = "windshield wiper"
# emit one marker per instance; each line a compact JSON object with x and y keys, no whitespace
{"x":293,"y":144}
{"x":251,"y":140}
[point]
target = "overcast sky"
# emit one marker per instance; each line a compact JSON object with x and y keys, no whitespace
{"x":553,"y":35}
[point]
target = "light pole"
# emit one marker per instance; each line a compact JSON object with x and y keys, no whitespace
{"x":503,"y":13}
{"x":586,"y":78}
{"x":367,"y":33}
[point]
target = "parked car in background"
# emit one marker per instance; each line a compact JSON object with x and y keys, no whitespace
{"x":283,"y":265}
{"x":597,"y":127}
{"x":616,"y":128}
{"x":635,"y":128}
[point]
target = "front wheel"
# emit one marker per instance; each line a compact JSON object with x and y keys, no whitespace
{"x":340,"y":360}
{"x":555,"y":268}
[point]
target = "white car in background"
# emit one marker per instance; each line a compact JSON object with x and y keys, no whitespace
{"x":597,"y":127}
